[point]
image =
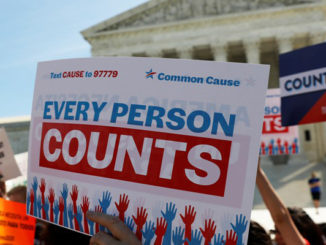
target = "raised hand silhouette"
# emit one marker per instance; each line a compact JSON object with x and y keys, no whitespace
{"x":74,"y":197}
{"x":56,"y":211}
{"x":218,"y":240}
{"x":42,"y":190}
{"x":148,"y":232}
{"x":51,"y":198}
{"x":240,"y":227}
{"x":209,"y":231}
{"x":71,"y":215}
{"x":39,"y":206}
{"x":46,"y":207}
{"x":64,"y":194}
{"x":196,"y":238}
{"x":177,"y":236}
{"x":32,"y":202}
{"x":84,"y":206}
{"x":79,"y":217}
{"x":35,"y":186}
{"x":231,"y":238}
{"x":161,"y":226}
{"x":122,"y":206}
{"x":130,"y":223}
{"x":140,"y":220}
{"x":169,"y":216}
{"x":61,"y":209}
{"x":98,"y":209}
{"x":106,"y":201}
{"x":188,"y":219}
{"x":91,"y":227}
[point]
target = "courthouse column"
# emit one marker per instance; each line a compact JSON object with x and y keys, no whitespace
{"x":284,"y":44}
{"x":252,"y":49}
{"x":317,"y":36}
{"x":220,"y":52}
{"x":185,"y":52}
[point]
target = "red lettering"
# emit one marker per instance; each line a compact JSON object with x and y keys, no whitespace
{"x":272,"y":125}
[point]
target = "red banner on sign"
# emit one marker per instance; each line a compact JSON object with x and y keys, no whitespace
{"x":173,"y":161}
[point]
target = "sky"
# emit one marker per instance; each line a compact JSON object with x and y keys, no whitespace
{"x":40,"y":30}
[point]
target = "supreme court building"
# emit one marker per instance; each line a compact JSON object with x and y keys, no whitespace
{"x":253,"y":31}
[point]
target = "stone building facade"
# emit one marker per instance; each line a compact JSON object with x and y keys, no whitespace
{"x":253,"y":31}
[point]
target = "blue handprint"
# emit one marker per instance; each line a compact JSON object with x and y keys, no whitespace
{"x":28,"y":201}
{"x":148,"y":232}
{"x":56,"y":211}
{"x":218,"y":240}
{"x":169,"y":216}
{"x":240,"y":227}
{"x":46,"y":207}
{"x":130,"y":223}
{"x":196,"y":238}
{"x":177,"y":236}
{"x":71,"y":215}
{"x":79,"y":217}
{"x":35,"y":187}
{"x":91,"y":227}
{"x":39,"y":206}
{"x":106,"y":201}
{"x":64,"y":194}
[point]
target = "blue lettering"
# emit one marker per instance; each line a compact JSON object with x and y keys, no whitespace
{"x":82,"y":108}
{"x":47,"y":109}
{"x":158,"y":118}
{"x":191,"y":121}
{"x":116,"y":113}
{"x":180,"y":123}
{"x":97,"y":110}
{"x":228,"y":129}
{"x":134,"y":114}
{"x":69,"y":109}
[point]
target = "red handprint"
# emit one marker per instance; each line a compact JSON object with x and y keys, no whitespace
{"x":231,"y":238}
{"x":188,"y":219}
{"x":32,"y":202}
{"x":51,"y":201}
{"x":209,"y":231}
{"x":161,"y":226}
{"x":74,"y":197}
{"x":84,"y":206}
{"x":98,"y":209}
{"x":42,"y":189}
{"x":61,"y":209}
{"x":122,"y":206}
{"x":140,"y":220}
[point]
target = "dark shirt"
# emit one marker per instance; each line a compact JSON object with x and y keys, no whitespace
{"x":313,"y":181}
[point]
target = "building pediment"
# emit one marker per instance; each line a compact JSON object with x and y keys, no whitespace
{"x":165,"y":11}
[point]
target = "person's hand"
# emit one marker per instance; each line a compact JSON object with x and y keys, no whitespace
{"x":121,"y":234}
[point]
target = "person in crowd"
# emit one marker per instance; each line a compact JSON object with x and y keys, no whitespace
{"x":287,"y":232}
{"x":17,"y":194}
{"x":2,"y":189}
{"x":121,"y":234}
{"x":315,"y":190}
{"x":258,"y":235}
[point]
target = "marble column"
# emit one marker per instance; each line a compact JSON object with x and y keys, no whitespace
{"x":185,"y":53}
{"x":220,"y":52}
{"x":252,"y":49}
{"x":284,"y":44}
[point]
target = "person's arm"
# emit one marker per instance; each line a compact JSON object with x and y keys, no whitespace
{"x":278,"y":211}
{"x":122,"y":235}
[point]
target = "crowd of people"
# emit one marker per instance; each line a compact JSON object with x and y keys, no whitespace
{"x":292,"y":224}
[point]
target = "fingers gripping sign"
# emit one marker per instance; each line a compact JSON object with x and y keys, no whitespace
{"x":121,"y":234}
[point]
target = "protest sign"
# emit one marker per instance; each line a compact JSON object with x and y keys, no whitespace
{"x":16,"y":227}
{"x":154,"y":141}
{"x":8,"y":165}
{"x":303,"y":85}
{"x":276,"y":139}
